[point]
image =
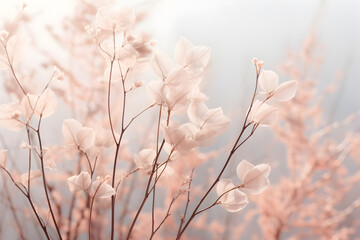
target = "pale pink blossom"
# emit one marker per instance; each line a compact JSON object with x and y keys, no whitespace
{"x":181,"y":137}
{"x":76,"y":135}
{"x":43,"y":105}
{"x":263,"y":113}
{"x":188,"y":55}
{"x":14,"y":50}
{"x":161,"y":64}
{"x":79,"y":182}
{"x":254,"y":178}
{"x":10,"y":116}
{"x":269,"y":83}
{"x":232,"y":199}
{"x":119,"y":19}
{"x":173,"y":97}
{"x":104,"y":138}
{"x":101,"y":189}
{"x":145,"y":159}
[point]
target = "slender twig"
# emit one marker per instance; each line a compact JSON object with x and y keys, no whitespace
{"x":44,"y":179}
{"x":187,"y":204}
{"x":146,"y":195}
{"x":13,"y":210}
{"x":166,"y":216}
{"x":92,"y":205}
{"x":233,"y":150}
{"x":29,"y":160}
{"x":154,"y":190}
{"x":41,"y":222}
{"x":217,"y":200}
{"x":12,"y":69}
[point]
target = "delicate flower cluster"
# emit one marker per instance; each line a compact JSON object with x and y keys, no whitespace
{"x":97,"y":189}
{"x":263,"y":113}
{"x":15,"y":115}
{"x":95,"y":139}
{"x":254,"y":180}
{"x":179,"y":87}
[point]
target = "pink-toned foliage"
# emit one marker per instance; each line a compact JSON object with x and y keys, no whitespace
{"x":129,"y":123}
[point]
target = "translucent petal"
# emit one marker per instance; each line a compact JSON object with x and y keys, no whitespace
{"x":243,"y":168}
{"x":103,"y":19}
{"x":197,"y":112}
{"x":70,"y":129}
{"x":123,"y":17}
{"x":183,"y":47}
{"x":85,"y":138}
{"x":72,"y":186}
{"x":83,"y":180}
{"x":268,"y":81}
{"x":145,"y":158}
{"x":101,"y":189}
{"x":198,"y":57}
{"x":224,"y":185}
{"x":285,"y":91}
{"x":215,"y":120}
{"x":9,"y":116}
{"x":256,"y":180}
{"x":232,"y":201}
{"x":156,"y":91}
{"x":162,"y":64}
{"x":265,"y":114}
{"x":205,"y":137}
{"x":238,"y":202}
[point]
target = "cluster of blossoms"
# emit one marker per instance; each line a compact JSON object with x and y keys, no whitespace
{"x":176,"y":90}
{"x":97,"y":189}
{"x":255,"y":178}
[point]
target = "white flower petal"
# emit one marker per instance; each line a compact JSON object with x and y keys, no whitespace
{"x":198,"y":57}
{"x":232,"y":201}
{"x":156,"y":91}
{"x":238,"y":202}
{"x":79,"y":182}
{"x":182,"y":48}
{"x":256,"y":180}
{"x":162,"y":64}
{"x":9,"y":116}
{"x":243,"y":168}
{"x":285,"y":91}
{"x":103,"y":19}
{"x":263,"y":113}
{"x":101,"y":189}
{"x":145,"y":158}
{"x":83,"y":180}
{"x":70,"y":129}
{"x":268,"y":81}
{"x":197,"y":112}
{"x":85,"y":138}
{"x":77,"y":135}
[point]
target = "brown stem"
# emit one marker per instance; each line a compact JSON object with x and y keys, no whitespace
{"x":233,"y":150}
{"x":44,"y":180}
